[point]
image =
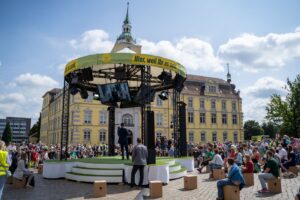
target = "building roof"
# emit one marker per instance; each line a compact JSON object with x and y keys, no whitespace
{"x":205,"y":79}
{"x":54,"y":91}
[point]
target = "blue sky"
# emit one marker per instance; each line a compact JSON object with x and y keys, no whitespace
{"x":260,"y":40}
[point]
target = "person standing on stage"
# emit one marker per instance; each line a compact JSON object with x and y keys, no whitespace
{"x":139,"y":159}
{"x":123,"y":140}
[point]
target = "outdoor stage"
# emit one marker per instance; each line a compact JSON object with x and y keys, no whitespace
{"x":116,"y":170}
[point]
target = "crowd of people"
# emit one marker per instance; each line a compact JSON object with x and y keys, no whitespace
{"x":265,"y":157}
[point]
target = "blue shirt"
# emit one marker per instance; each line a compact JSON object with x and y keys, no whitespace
{"x":235,"y":175}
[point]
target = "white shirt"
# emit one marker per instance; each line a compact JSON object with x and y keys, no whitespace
{"x":283,"y":154}
{"x":217,"y":160}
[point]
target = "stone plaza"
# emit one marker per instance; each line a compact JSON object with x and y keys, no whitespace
{"x":207,"y":190}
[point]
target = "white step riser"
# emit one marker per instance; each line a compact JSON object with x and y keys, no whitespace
{"x":93,"y":178}
{"x":171,"y":162}
{"x":94,"y":165}
{"x":176,"y":168}
{"x":97,"y":172}
{"x":178,"y":175}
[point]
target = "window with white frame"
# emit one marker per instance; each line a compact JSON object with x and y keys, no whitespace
{"x":214,"y":136}
{"x":190,"y":102}
{"x":202,"y":118}
{"x":233,"y":106}
{"x":103,"y":117}
{"x":213,"y":118}
{"x":203,"y":136}
{"x":235,"y":137}
{"x":224,"y":118}
{"x":87,"y":135}
{"x":159,"y":119}
{"x":212,"y":89}
{"x":87,"y":116}
{"x":191,"y":136}
{"x":234,"y":119}
{"x":90,"y":97}
{"x":158,"y":135}
{"x":213,"y":104}
{"x":202,"y":103}
{"x":127,"y":119}
{"x":225,"y":136}
{"x":223,"y":105}
{"x":190,"y":117}
{"x":102,"y":136}
{"x":159,"y":102}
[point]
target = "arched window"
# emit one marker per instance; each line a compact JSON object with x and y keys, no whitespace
{"x":127,"y":119}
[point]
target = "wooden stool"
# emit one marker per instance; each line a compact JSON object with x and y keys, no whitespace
{"x":9,"y":180}
{"x":274,"y":185}
{"x":155,"y":189}
{"x":218,"y":174}
{"x":231,"y":192}
{"x":294,"y":170}
{"x":249,"y":179}
{"x":190,"y":182}
{"x":17,"y":183}
{"x":40,"y":169}
{"x":100,"y":188}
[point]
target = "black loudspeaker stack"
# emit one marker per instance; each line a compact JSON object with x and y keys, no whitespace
{"x":182,"y":129}
{"x":149,"y":136}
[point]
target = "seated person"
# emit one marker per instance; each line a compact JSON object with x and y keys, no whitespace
{"x":234,"y":177}
{"x":271,"y":171}
{"x":291,"y":159}
{"x":216,"y":163}
{"x":208,"y":157}
{"x":249,"y":166}
{"x":21,"y":171}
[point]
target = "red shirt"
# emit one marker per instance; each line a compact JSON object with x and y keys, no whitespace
{"x":249,"y":167}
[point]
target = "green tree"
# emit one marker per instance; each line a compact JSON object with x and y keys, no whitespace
{"x":36,"y":129}
{"x":7,"y":133}
{"x":286,"y":113}
{"x":269,"y":129}
{"x":252,"y":128}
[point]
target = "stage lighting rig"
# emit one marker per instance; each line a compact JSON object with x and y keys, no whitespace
{"x":163,"y":95}
{"x":165,"y":77}
{"x":83,"y":93}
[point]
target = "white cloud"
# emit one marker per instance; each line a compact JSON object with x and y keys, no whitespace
{"x":253,"y":53}
{"x":24,"y":98}
{"x":257,"y":96}
{"x":193,"y":53}
{"x":93,"y":40}
{"x":265,"y":87}
{"x":297,"y":29}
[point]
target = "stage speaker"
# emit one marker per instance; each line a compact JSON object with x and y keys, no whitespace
{"x":178,"y":82}
{"x":149,"y":136}
{"x":182,"y":129}
{"x":111,"y":131}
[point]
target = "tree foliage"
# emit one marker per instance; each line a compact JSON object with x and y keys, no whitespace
{"x":252,"y":128}
{"x":286,"y":113}
{"x":269,"y":129}
{"x":36,"y":128}
{"x":7,"y":133}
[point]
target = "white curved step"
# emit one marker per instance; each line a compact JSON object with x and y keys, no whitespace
{"x":174,"y":168}
{"x":95,"y":165}
{"x":177,"y":175}
{"x":84,"y":178}
{"x":97,"y":171}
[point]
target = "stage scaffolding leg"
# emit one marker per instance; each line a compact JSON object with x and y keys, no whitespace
{"x":176,"y":99}
{"x":111,"y":131}
{"x":64,"y":138}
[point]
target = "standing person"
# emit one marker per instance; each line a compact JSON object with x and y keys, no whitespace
{"x":4,"y":165}
{"x":271,"y":172}
{"x":139,"y":159}
{"x":123,"y":140}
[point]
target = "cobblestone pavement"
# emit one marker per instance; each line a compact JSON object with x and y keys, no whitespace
{"x":63,"y":189}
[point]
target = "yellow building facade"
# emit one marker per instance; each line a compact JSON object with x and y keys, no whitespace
{"x":213,"y":110}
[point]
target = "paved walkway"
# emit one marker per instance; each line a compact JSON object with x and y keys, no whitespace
{"x":63,"y":189}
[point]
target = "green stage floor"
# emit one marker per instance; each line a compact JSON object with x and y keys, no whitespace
{"x":112,"y":160}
